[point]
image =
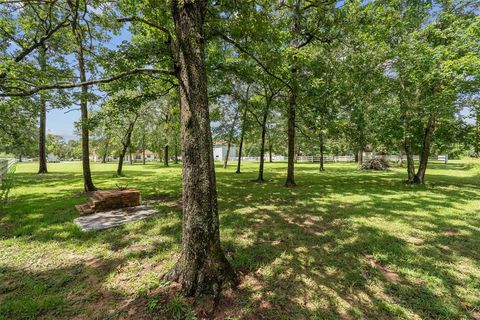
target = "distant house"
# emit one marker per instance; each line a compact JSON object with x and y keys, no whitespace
{"x":138,"y":156}
{"x":52,"y":158}
{"x":220,"y":151}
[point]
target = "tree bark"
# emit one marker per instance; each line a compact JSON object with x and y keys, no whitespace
{"x":42,"y":136}
{"x":202,"y":266}
{"x":120,"y":163}
{"x":230,"y":138}
{"x":360,"y":156}
{"x":270,"y":149}
{"x":87,"y":175}
{"x":105,"y":151}
{"x":292,"y":98}
{"x":321,"y":152}
{"x":225,"y":162}
{"x":165,"y":155}
{"x":125,"y":146}
{"x":477,"y":132}
{"x":242,"y":135}
{"x":400,"y":158}
{"x":143,"y":148}
{"x":262,"y":142}
{"x":175,"y":156}
{"x":290,"y":182}
{"x":425,"y":152}
{"x":410,"y":162}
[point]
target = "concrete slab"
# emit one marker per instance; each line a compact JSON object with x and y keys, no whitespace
{"x":114,"y":218}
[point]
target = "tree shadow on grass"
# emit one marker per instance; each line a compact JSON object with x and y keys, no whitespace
{"x":326,"y":249}
{"x":85,"y":290}
{"x":300,"y":241}
{"x":300,"y":266}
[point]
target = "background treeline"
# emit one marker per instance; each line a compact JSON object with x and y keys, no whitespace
{"x":285,"y":77}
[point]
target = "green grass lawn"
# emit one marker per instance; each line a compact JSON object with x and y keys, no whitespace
{"x":343,"y":244}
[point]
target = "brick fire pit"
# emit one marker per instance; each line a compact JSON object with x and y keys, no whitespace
{"x":110,"y":199}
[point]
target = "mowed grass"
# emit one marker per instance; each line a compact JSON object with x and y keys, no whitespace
{"x":345,"y":244}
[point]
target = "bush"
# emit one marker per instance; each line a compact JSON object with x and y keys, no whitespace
{"x":375,"y":164}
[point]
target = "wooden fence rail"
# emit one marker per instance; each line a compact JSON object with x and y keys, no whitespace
{"x":5,"y":165}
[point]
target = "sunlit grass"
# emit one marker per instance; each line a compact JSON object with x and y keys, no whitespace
{"x":343,"y":244}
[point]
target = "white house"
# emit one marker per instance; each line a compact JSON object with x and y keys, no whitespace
{"x":220,"y":151}
{"x":52,"y":158}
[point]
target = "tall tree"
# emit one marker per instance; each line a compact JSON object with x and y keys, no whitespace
{"x":75,"y":7}
{"x":42,"y":154}
{"x":202,"y":266}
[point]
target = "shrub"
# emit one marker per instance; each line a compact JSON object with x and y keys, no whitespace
{"x":375,"y":164}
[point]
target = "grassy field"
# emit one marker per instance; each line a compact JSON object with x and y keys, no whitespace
{"x":343,"y":244}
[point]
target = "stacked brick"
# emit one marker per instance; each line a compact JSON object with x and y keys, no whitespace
{"x":110,"y":199}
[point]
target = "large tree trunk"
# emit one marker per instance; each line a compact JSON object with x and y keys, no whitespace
{"x":42,"y":134}
{"x":321,"y":152}
{"x":202,"y":266}
{"x":425,"y":152}
{"x":242,"y":135}
{"x":87,"y":175}
{"x":292,"y":98}
{"x":262,"y":143}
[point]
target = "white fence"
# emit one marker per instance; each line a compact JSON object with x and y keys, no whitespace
{"x":392,"y":158}
{"x":5,"y":165}
{"x":329,"y":158}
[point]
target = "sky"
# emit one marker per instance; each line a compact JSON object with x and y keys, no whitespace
{"x":61,"y":121}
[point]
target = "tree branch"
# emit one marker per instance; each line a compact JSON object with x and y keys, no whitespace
{"x":147,"y":22}
{"x":40,"y":42}
{"x":251,"y":55}
{"x":24,"y":93}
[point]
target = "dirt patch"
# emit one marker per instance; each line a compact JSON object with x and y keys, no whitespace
{"x":342,"y":205}
{"x":311,"y":223}
{"x":389,"y":275}
{"x":6,"y":228}
{"x":414,"y":240}
{"x":163,"y":197}
{"x":283,"y":200}
{"x":473,"y":312}
{"x":172,"y":201}
{"x":232,"y":302}
{"x":450,"y":233}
